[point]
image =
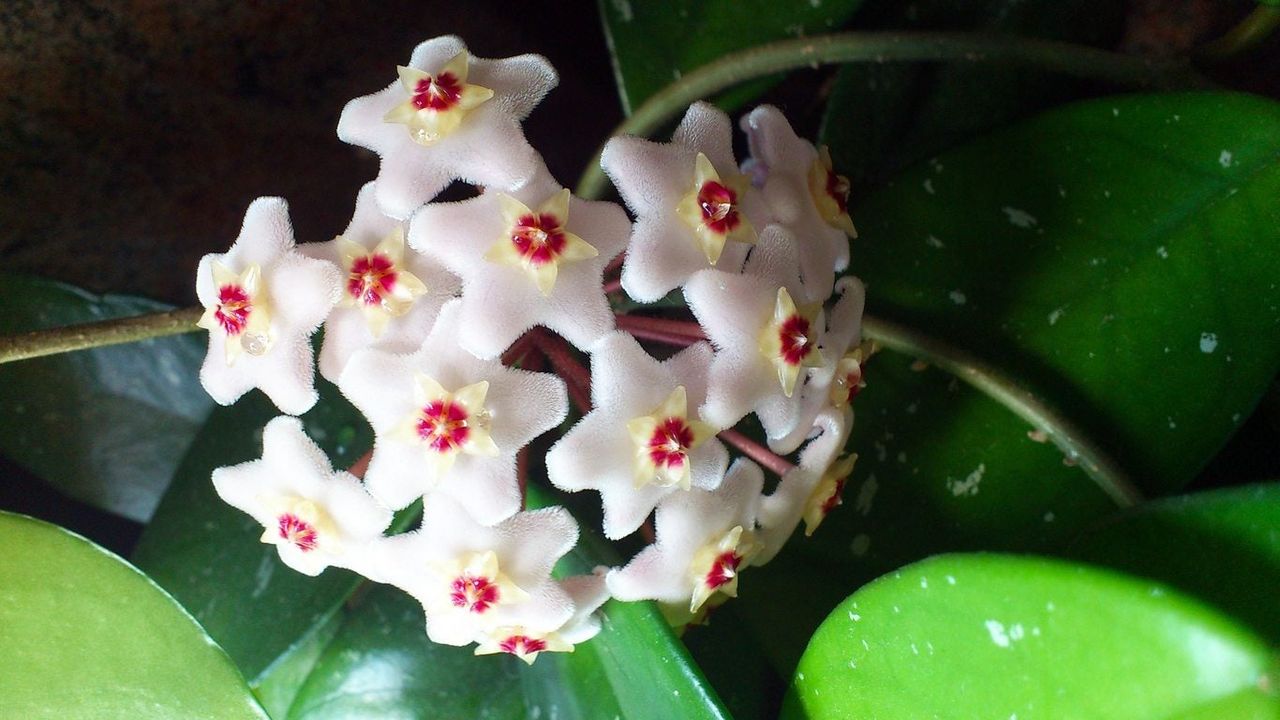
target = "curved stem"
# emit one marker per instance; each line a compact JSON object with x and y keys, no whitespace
{"x":91,"y":335}
{"x":762,"y":455}
{"x":1065,"y":58}
{"x":1074,"y":444}
{"x":1252,"y":30}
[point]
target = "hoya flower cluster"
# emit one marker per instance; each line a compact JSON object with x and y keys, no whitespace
{"x":439,"y":319}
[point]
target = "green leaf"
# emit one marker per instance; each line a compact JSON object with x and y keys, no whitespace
{"x":883,"y":117}
{"x":1119,"y":256}
{"x":105,"y":426}
{"x":208,"y":556}
{"x":1021,"y":637}
{"x":1222,"y":547}
{"x":84,"y":635}
{"x":653,"y":43}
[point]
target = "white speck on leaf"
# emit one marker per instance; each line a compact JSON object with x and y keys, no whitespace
{"x":1163,"y":252}
{"x":1019,"y":218}
{"x":932,"y":241}
{"x":957,"y":297}
{"x":1056,"y":315}
{"x":1115,"y":112}
{"x":996,"y":630}
{"x":1208,"y":342}
{"x":867,"y":494}
{"x":928,"y":185}
{"x":1049,"y":516}
{"x":1224,"y":158}
{"x":968,"y":486}
{"x":951,"y":579}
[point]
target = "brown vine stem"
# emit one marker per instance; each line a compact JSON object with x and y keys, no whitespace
{"x":98,"y":334}
{"x":778,"y":465}
{"x":880,"y":47}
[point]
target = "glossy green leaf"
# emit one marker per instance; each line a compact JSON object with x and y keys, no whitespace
{"x":654,"y":42}
{"x":883,"y":117}
{"x":84,"y":635}
{"x":1021,"y":637}
{"x":1222,"y":547}
{"x":208,"y":556}
{"x":105,"y":426}
{"x":1119,"y":256}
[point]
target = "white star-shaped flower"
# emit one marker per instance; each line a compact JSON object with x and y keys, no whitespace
{"x":472,"y":579}
{"x":314,"y":515}
{"x":763,"y":339}
{"x":703,"y":539}
{"x":263,"y":300}
{"x":804,"y":195}
{"x":643,"y":441}
{"x":533,"y":256}
{"x":840,"y":376}
{"x":446,"y":422}
{"x":812,"y":489}
{"x":390,"y":294}
{"x":693,"y":209}
{"x":449,"y":117}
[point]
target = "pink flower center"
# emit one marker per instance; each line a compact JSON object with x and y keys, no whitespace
{"x":793,"y":336}
{"x":439,"y":93}
{"x":474,"y":594}
{"x":298,"y":532}
{"x":719,"y":208}
{"x":522,"y":645}
{"x":723,"y":569}
{"x":670,"y":442}
{"x":442,"y":424}
{"x":838,"y":189}
{"x":371,"y":278}
{"x":538,"y":237}
{"x":234,"y":306}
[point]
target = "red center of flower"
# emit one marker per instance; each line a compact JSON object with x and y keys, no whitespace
{"x":372,"y":278}
{"x":522,"y":645}
{"x":234,"y":306}
{"x":670,"y":442}
{"x":442,"y":424}
{"x":719,"y":207}
{"x":838,"y":189}
{"x":475,"y":594}
{"x":439,"y":93}
{"x":834,"y":499}
{"x":538,"y":237}
{"x":793,"y":335}
{"x":723,"y":569}
{"x":298,"y":532}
